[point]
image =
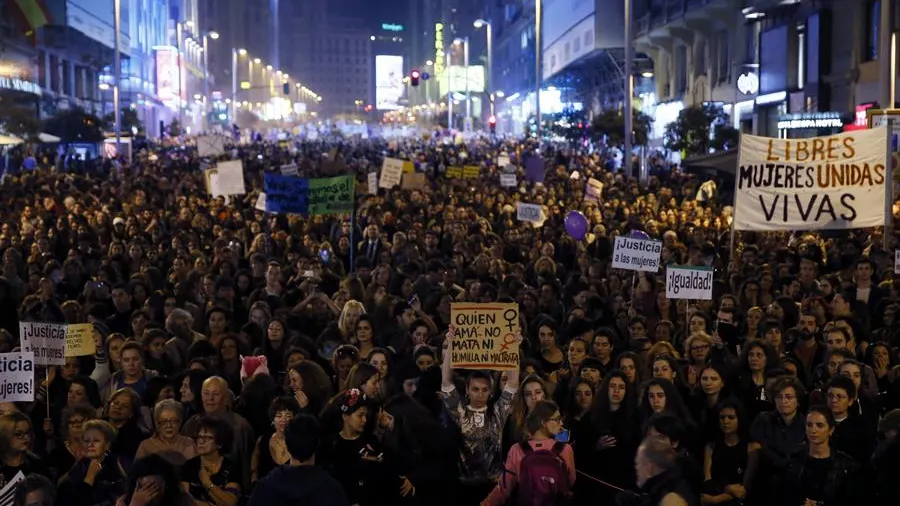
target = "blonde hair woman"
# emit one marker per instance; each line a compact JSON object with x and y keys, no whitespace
{"x":350,"y":314}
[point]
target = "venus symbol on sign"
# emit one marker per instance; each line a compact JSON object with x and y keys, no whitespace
{"x":510,"y":315}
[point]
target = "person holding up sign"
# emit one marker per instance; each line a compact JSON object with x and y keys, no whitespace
{"x":480,"y":424}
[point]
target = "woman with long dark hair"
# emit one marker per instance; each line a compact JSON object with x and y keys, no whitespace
{"x":533,"y":389}
{"x":310,"y":386}
{"x":725,"y":457}
{"x":153,"y":481}
{"x":608,"y":451}
{"x":417,"y":449}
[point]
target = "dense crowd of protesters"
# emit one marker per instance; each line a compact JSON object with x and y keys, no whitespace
{"x":245,"y":357}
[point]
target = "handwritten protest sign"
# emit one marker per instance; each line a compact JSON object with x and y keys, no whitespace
{"x":471,"y":171}
{"x":290,"y":169}
{"x":508,"y":180}
{"x":210,"y":145}
{"x":226,"y":179}
{"x":285,"y":194}
{"x":409,"y":167}
{"x":454,"y":172}
{"x":373,"y":183}
{"x":331,"y":195}
{"x":485,"y":336}
{"x":821,"y":183}
{"x":80,"y":340}
{"x":684,"y":282}
{"x":391,"y":172}
{"x":414,"y":181}
{"x":593,"y":190}
{"x":261,"y":202}
{"x":17,"y":373}
{"x":529,"y":212}
{"x":636,"y":254}
{"x":47,"y":341}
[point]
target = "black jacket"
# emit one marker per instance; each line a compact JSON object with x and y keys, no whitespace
{"x":840,"y":487}
{"x":298,"y":486}
{"x":657,"y":487}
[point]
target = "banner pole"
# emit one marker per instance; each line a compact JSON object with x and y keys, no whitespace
{"x":734,"y":207}
{"x":353,"y":232}
{"x":47,"y":379}
{"x":888,"y":183}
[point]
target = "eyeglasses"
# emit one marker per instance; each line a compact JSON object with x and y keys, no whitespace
{"x":700,"y":347}
{"x":170,"y":422}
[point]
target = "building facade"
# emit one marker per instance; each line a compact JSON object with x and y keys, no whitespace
{"x":768,"y":63}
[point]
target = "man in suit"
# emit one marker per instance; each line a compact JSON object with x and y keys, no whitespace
{"x":372,"y":245}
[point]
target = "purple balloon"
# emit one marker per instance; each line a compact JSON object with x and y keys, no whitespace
{"x":576,"y":225}
{"x":639,"y":234}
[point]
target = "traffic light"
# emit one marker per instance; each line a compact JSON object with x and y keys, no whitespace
{"x":286,"y":88}
{"x":492,"y":122}
{"x":414,"y":77}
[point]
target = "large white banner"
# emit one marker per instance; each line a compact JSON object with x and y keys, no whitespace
{"x":820,"y":183}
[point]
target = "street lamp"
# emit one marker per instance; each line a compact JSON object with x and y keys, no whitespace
{"x":234,"y":80}
{"x":214,"y":35}
{"x":538,"y":69}
{"x":490,"y":59}
{"x":117,"y":73}
{"x":629,"y":90}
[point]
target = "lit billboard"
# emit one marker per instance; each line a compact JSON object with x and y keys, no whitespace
{"x":388,"y":82}
{"x":94,"y":18}
{"x":454,"y":79}
{"x":168,"y":86}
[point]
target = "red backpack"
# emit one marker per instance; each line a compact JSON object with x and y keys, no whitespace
{"x":543,"y":477}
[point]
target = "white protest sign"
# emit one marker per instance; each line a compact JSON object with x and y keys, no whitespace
{"x":261,"y":202}
{"x":210,"y":145}
{"x":47,"y":341}
{"x":508,"y":180}
{"x":510,"y":169}
{"x":689,"y":282}
{"x":226,"y":179}
{"x":391,"y":173}
{"x":17,"y":373}
{"x":820,"y":183}
{"x":373,"y":183}
{"x":502,"y":160}
{"x":897,"y":261}
{"x":289,"y":170}
{"x":529,"y":212}
{"x":8,"y":492}
{"x":593,"y":191}
{"x":636,"y":254}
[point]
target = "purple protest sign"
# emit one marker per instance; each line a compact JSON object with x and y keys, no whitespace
{"x":534,"y":169}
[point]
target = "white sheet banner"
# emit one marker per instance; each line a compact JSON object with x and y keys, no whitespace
{"x":820,"y":183}
{"x":636,"y":254}
{"x":17,"y":373}
{"x":689,"y":282}
{"x":47,"y":341}
{"x":391,"y":173}
{"x":289,"y":169}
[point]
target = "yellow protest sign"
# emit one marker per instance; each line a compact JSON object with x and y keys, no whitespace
{"x":409,"y":167}
{"x":485,"y":336}
{"x":454,"y":172}
{"x":80,"y":340}
{"x":471,"y":171}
